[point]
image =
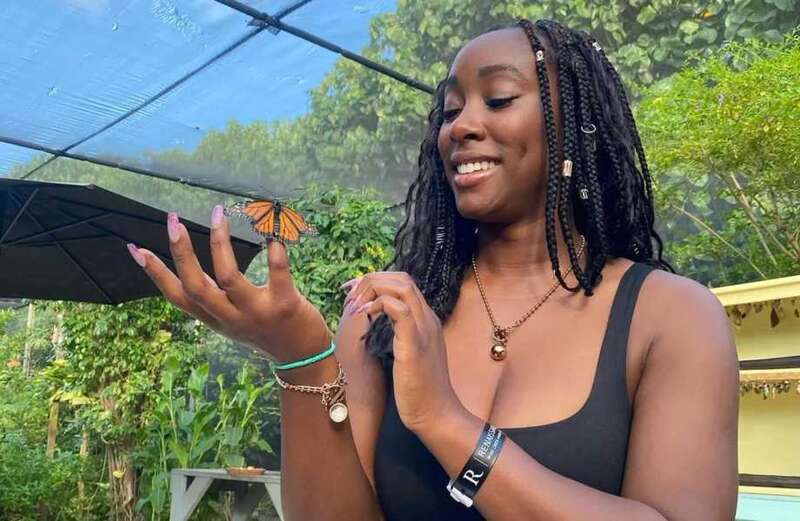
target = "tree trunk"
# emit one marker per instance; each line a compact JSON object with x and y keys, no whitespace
{"x":26,"y":356}
{"x":83,"y":453}
{"x":52,"y":429}
{"x":123,"y":482}
{"x":52,"y":425}
{"x":122,"y":479}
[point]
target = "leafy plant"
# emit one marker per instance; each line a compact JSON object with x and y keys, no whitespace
{"x":188,"y":430}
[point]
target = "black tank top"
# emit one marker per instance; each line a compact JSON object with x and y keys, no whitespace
{"x":589,"y":446}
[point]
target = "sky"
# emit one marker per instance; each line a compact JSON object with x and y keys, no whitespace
{"x":69,"y":67}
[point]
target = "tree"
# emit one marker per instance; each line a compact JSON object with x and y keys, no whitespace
{"x":722,"y":142}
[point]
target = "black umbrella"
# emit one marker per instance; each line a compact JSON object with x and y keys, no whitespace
{"x":63,"y":241}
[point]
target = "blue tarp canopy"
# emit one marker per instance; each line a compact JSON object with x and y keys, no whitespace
{"x":216,"y":94}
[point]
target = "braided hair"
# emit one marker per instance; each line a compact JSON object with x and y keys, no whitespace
{"x":606,"y":188}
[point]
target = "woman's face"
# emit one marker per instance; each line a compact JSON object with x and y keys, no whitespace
{"x":492,"y":140}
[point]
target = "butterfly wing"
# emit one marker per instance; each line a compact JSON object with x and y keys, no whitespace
{"x":261,"y":215}
{"x":265,"y":224}
{"x":293,"y":225}
{"x":257,"y":210}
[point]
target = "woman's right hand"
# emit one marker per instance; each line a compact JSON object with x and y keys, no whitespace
{"x":275,"y":318}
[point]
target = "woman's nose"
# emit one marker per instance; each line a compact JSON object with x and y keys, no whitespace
{"x":467,"y":125}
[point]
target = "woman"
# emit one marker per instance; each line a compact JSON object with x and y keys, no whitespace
{"x":527,"y":330}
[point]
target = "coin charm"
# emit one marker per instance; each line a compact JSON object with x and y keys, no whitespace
{"x":338,"y":412}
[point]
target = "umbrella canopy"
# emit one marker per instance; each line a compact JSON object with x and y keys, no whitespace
{"x":63,"y":241}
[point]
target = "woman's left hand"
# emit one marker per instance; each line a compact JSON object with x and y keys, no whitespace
{"x":422,"y":387}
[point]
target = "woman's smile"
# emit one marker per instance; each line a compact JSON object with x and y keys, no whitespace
{"x":471,"y":177}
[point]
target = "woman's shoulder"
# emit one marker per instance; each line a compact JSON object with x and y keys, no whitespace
{"x":669,"y":291}
{"x":686,"y":319}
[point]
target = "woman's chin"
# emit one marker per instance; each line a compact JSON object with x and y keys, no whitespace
{"x":471,"y":207}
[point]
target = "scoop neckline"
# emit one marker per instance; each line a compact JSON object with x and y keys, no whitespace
{"x":592,"y":391}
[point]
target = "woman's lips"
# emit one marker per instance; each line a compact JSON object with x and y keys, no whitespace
{"x":473,"y":178}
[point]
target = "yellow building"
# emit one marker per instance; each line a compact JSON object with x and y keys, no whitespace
{"x":765,"y":316}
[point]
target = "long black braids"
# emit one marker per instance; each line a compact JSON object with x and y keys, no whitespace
{"x":606,"y":189}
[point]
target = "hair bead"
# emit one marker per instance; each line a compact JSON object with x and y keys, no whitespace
{"x":567,"y":171}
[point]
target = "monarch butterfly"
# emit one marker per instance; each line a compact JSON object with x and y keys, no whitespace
{"x":272,"y":220}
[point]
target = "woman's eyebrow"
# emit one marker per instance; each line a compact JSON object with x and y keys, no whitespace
{"x":488,"y":70}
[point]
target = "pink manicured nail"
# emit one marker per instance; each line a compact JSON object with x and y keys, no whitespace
{"x":348,"y":284}
{"x":350,"y":294}
{"x":173,"y":228}
{"x":216,"y":216}
{"x":137,"y":255}
{"x":364,"y":306}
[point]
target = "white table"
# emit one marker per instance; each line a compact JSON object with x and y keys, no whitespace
{"x":188,"y":486}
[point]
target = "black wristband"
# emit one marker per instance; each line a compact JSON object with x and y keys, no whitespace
{"x":466,"y":484}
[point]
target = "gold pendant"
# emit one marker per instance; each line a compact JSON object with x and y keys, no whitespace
{"x":338,"y":412}
{"x":498,"y":351}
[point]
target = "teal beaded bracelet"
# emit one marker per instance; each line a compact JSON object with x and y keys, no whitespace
{"x":306,"y":361}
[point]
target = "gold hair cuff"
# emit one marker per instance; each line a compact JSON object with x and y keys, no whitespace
{"x":567,"y":168}
{"x":333,"y":396}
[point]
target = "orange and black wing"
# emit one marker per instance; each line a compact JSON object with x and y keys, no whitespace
{"x":291,"y":225}
{"x":261,"y":215}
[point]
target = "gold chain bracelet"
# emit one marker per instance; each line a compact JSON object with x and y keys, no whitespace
{"x":333,"y":396}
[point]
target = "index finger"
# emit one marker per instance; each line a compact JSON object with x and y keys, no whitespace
{"x":238,"y":289}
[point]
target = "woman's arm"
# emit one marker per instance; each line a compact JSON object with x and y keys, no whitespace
{"x":681,"y":462}
{"x":327,"y":469}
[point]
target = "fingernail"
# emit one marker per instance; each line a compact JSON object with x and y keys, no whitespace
{"x":172,"y":226}
{"x":216,"y":216}
{"x":364,"y":306}
{"x":348,"y":284}
{"x":348,"y":308}
{"x":136,"y":254}
{"x":349,"y":295}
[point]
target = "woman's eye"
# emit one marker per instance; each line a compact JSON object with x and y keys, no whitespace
{"x":494,"y":104}
{"x":451,"y":114}
{"x":498,"y":103}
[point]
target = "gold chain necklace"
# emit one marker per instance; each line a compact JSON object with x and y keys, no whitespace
{"x":500,"y":334}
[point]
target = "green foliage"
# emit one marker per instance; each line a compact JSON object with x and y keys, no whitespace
{"x":31,"y":483}
{"x":114,"y":355}
{"x":187,"y":430}
{"x":722,"y":142}
{"x":355,"y":235}
{"x":650,"y":40}
{"x":24,"y":405}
